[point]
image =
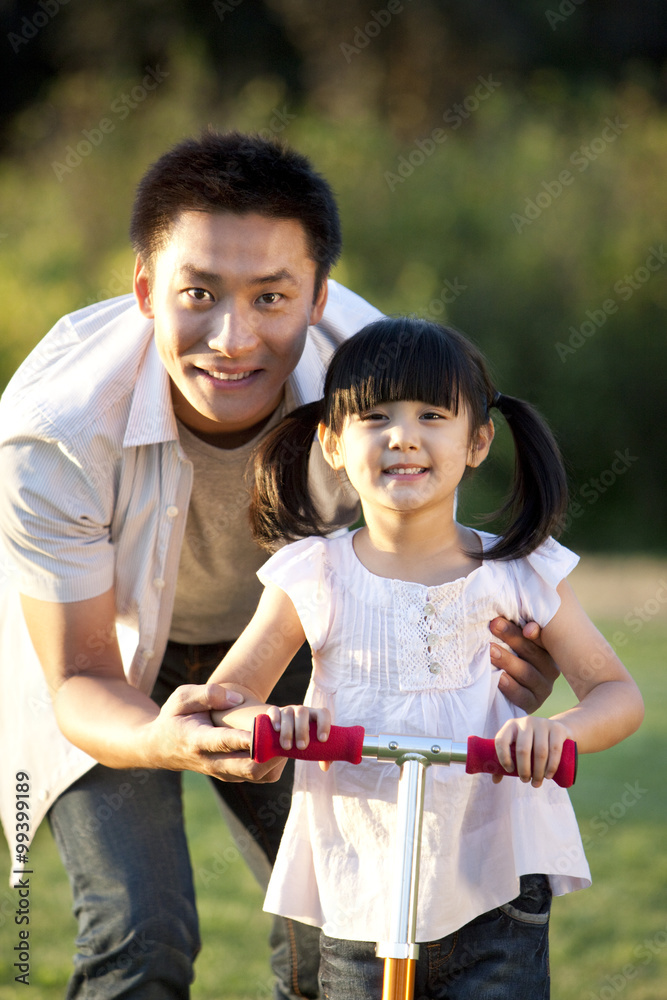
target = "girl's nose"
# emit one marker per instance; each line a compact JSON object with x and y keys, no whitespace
{"x":403,"y":436}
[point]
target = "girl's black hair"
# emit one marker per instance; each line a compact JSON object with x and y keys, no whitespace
{"x":397,"y":359}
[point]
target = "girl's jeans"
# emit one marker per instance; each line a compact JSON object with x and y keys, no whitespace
{"x":501,"y":955}
{"x":121,"y":837}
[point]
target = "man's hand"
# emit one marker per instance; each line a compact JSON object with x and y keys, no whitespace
{"x":529,"y":671}
{"x":119,"y":725}
{"x":185,"y":738}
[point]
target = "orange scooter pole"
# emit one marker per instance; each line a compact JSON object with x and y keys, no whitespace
{"x":399,"y":979}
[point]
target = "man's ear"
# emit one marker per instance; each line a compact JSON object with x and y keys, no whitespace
{"x":481,"y":445}
{"x":142,"y":289}
{"x":330,"y":447}
{"x":319,"y":302}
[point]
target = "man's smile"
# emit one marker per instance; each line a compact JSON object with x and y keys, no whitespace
{"x":229,"y":376}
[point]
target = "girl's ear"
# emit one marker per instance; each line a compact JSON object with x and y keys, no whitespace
{"x":330,"y":446}
{"x":481,"y":445}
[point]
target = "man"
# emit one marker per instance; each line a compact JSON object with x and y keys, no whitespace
{"x":129,"y":562}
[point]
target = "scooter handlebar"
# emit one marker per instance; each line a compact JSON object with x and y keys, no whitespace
{"x":346,"y":743}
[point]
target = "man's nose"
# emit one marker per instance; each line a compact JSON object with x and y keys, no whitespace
{"x":234,"y":335}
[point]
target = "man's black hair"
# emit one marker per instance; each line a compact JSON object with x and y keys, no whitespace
{"x":234,"y":172}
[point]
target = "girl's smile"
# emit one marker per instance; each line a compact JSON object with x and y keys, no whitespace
{"x":405,"y":455}
{"x":413,"y":471}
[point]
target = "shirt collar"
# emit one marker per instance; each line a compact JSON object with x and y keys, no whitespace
{"x":306,"y":382}
{"x":151,"y":419}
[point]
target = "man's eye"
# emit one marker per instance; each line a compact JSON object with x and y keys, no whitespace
{"x":199,"y":294}
{"x":268,"y":298}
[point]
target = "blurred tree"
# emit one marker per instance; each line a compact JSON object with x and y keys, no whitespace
{"x":451,"y":204}
{"x":418,"y":58}
{"x":47,"y":39}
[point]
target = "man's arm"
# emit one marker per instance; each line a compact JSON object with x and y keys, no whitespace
{"x":529,"y":672}
{"x":98,"y":711}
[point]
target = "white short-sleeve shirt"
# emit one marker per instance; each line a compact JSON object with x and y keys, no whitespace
{"x":399,"y":657}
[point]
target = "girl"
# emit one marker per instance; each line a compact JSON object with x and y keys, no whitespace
{"x":396,"y":615}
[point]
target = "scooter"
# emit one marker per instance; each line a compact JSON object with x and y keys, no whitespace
{"x":413,"y":754}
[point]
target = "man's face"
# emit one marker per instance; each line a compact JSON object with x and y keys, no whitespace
{"x":232,"y":297}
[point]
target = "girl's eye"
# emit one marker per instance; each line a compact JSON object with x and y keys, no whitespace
{"x":372,"y":416}
{"x":432,"y":415}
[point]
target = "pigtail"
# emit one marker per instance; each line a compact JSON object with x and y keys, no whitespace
{"x":538,"y":501}
{"x":280,"y":505}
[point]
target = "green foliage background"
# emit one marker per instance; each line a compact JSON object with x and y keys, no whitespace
{"x":463,"y":220}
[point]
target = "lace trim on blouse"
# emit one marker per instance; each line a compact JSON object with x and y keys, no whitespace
{"x":430,"y":632}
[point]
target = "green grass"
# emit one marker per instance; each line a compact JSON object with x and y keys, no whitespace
{"x":607,"y":942}
{"x":610,"y":940}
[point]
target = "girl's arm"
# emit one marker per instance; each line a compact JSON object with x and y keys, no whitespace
{"x":610,"y":705}
{"x":256,"y":662}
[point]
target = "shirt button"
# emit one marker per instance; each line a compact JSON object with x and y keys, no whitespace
{"x":158,"y":582}
{"x":429,"y":610}
{"x":434,"y":667}
{"x":43,"y":796}
{"x":149,"y":654}
{"x":172,"y":511}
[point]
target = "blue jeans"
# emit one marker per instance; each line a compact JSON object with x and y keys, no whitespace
{"x":501,"y":955}
{"x":122,"y":840}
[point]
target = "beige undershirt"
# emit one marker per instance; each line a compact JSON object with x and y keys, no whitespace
{"x":217,"y":589}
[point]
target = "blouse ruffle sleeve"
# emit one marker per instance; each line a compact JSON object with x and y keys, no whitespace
{"x":538,"y":576}
{"x":301,"y":571}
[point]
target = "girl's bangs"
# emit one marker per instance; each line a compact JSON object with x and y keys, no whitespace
{"x":392,"y":361}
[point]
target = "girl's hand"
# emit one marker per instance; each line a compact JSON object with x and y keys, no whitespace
{"x":293,"y":724}
{"x":539,"y":745}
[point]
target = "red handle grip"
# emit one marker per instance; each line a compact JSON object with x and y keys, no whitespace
{"x":344,"y":743}
{"x":482,"y":757}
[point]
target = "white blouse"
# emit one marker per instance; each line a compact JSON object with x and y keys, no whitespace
{"x":399,"y":657}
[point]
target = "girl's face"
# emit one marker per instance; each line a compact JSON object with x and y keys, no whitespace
{"x":406,"y":455}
